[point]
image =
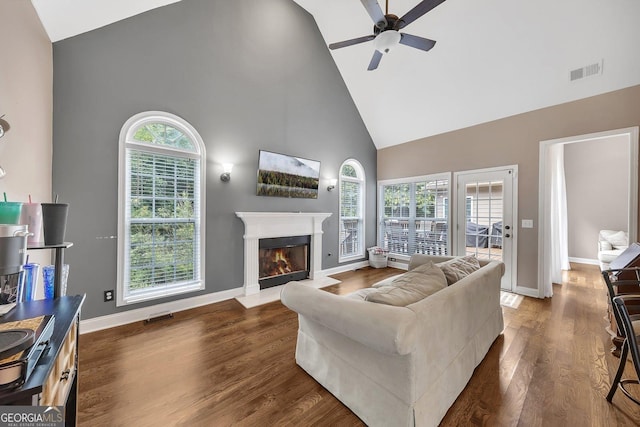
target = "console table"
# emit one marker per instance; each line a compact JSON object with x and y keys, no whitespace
{"x":54,"y":380}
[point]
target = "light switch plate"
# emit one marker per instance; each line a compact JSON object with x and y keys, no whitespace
{"x":527,"y":223}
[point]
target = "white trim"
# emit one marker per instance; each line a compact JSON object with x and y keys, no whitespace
{"x":543,"y":196}
{"x":399,"y":259}
{"x":117,"y":319}
{"x":342,"y":268}
{"x":399,"y":265}
{"x":418,"y":178}
{"x":448,"y":176}
{"x":587,"y":261}
{"x":362,"y":180}
{"x":261,"y":225}
{"x":528,"y":292}
{"x":125,"y":139}
{"x":514,"y":215}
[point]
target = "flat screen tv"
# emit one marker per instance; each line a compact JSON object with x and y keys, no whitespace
{"x":280,"y":175}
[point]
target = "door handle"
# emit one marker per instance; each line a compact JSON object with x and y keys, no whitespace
{"x":507,"y":235}
{"x":507,"y":227}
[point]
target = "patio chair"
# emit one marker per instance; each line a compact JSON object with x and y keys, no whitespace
{"x":631,"y":327}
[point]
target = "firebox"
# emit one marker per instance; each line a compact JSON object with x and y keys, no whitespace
{"x":283,"y":259}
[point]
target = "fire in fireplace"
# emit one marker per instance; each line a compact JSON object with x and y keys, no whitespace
{"x":283,"y":259}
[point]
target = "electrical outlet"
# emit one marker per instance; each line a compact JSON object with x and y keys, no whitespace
{"x":108,"y":296}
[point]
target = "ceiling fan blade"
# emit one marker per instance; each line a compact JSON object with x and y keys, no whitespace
{"x":351,"y":42}
{"x":417,"y":42}
{"x":375,"y":61}
{"x":415,"y":13}
{"x":375,"y":12}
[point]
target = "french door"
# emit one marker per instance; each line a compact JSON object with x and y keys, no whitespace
{"x":486,"y":215}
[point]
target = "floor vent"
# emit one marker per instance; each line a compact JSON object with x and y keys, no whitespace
{"x":587,"y":71}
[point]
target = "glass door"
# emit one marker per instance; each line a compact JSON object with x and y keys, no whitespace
{"x":485,"y":218}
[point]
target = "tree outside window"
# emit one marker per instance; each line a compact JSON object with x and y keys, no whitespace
{"x":161,"y":202}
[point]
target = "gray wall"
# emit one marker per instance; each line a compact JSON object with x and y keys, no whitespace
{"x":248,"y":75}
{"x":597,"y":178}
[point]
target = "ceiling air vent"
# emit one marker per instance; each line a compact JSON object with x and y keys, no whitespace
{"x":586,"y":71}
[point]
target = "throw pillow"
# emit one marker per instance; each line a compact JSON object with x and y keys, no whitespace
{"x":618,"y":239}
{"x":459,"y":268}
{"x":410,"y":287}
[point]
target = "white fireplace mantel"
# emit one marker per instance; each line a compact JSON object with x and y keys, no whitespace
{"x":264,"y":225}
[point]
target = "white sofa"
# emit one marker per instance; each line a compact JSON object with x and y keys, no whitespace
{"x":398,"y":366}
{"x":611,"y":244}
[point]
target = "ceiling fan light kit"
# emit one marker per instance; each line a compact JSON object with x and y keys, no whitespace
{"x":387,"y":40}
{"x":386,"y":30}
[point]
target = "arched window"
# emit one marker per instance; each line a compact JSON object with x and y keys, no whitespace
{"x":352,"y":191}
{"x":161,"y":208}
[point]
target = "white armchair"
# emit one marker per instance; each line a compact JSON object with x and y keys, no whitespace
{"x":611,"y":243}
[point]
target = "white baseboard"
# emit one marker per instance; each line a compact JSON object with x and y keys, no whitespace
{"x":400,"y":265}
{"x":342,"y":268}
{"x":136,"y":315}
{"x":584,"y":261}
{"x":130,"y":316}
{"x":528,"y":292}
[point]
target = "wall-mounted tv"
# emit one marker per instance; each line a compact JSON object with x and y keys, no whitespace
{"x":280,"y":175}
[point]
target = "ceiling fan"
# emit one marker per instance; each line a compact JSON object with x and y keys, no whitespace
{"x":386,"y":30}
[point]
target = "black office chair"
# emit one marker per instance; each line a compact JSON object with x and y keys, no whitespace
{"x":622,"y":304}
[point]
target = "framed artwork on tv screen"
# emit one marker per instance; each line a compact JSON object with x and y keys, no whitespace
{"x":280,"y":175}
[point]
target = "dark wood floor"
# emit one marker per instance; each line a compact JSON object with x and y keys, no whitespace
{"x":223,"y":365}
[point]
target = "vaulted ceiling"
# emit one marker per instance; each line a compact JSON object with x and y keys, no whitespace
{"x":492,"y":59}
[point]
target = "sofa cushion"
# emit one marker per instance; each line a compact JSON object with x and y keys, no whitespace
{"x":617,"y":239}
{"x":360,"y":294}
{"x":608,"y":256}
{"x":410,"y":287}
{"x":459,"y":268}
{"x":386,"y":282}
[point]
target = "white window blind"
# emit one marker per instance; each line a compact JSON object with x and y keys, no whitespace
{"x":161,"y":211}
{"x":351,"y":210}
{"x":414,"y":217}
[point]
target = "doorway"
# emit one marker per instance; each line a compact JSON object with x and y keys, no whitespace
{"x":485,"y":226}
{"x":547,"y":250}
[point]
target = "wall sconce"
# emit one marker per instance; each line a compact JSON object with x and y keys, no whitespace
{"x":4,"y":126}
{"x":226,"y":174}
{"x":332,"y":184}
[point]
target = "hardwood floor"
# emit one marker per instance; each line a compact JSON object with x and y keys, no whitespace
{"x":223,"y":365}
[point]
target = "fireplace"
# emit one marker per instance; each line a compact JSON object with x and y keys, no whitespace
{"x":260,"y":226}
{"x":283,"y":259}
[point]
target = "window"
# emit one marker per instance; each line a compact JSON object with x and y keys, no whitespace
{"x":469,"y":206}
{"x":414,"y":215}
{"x":161,"y":202}
{"x":352,"y":185}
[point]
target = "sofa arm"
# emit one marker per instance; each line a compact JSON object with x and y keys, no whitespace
{"x":384,"y":328}
{"x":603,"y":245}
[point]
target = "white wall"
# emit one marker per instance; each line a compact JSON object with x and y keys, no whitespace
{"x":26,"y":99}
{"x":597,"y":178}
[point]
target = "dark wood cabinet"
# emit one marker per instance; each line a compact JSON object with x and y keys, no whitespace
{"x":54,"y":380}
